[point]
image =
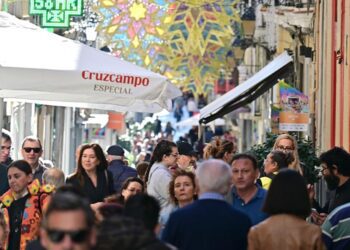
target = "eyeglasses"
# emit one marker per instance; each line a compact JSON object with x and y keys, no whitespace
{"x":77,"y":236}
{"x":322,"y":170}
{"x":323,"y":167}
{"x":134,"y":190}
{"x":36,"y":150}
{"x":285,"y":148}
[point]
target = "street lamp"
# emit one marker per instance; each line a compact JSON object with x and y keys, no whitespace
{"x":238,"y":49}
{"x":248,"y":22}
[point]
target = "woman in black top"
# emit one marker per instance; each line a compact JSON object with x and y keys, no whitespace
{"x":91,"y":175}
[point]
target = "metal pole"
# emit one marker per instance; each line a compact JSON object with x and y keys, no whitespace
{"x":66,"y":140}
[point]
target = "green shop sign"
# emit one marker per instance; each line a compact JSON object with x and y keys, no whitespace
{"x":56,"y":13}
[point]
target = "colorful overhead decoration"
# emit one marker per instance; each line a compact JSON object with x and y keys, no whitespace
{"x":132,"y":29}
{"x":186,"y":41}
{"x":200,"y":34}
{"x":194,"y":25}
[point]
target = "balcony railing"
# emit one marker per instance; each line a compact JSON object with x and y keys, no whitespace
{"x":296,"y":3}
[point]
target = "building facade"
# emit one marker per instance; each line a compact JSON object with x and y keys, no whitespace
{"x":332,"y":29}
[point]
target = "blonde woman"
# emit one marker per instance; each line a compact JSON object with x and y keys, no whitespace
{"x":288,"y":144}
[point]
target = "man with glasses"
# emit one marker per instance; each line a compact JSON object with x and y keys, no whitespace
{"x":68,"y":223}
{"x":31,"y":152}
{"x":335,"y":165}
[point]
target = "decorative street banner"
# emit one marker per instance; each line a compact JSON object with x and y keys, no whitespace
{"x":294,"y":115}
{"x":56,"y":13}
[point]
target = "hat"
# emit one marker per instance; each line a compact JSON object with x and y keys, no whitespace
{"x":115,"y":150}
{"x":185,"y":148}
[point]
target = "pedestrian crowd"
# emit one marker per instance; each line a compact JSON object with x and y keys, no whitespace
{"x":173,"y":199}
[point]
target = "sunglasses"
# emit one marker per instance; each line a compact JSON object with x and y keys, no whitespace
{"x":77,"y":236}
{"x":285,"y":148}
{"x":36,"y":150}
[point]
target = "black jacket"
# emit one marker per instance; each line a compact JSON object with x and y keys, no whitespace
{"x":103,"y":189}
{"x":4,"y":185}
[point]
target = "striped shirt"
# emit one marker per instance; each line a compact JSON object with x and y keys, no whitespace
{"x":336,"y":228}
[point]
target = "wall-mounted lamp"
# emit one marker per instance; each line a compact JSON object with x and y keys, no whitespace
{"x":248,"y":22}
{"x":238,"y":48}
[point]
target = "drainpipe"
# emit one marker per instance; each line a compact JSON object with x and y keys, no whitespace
{"x":340,"y":61}
{"x":333,"y":73}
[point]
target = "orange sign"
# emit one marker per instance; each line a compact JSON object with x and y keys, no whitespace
{"x":291,"y":121}
{"x":115,"y":121}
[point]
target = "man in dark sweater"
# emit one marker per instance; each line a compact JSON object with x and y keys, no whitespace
{"x":120,"y":171}
{"x":5,"y":160}
{"x":4,"y":185}
{"x":335,"y":164}
{"x":209,"y":223}
{"x":6,"y":144}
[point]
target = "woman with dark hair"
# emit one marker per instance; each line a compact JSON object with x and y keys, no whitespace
{"x":22,"y":205}
{"x":274,"y":162}
{"x":288,"y":205}
{"x":91,"y":175}
{"x":115,"y":202}
{"x":131,"y":186}
{"x":158,"y":176}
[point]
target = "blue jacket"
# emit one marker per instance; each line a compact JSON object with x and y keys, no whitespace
{"x":120,"y":173}
{"x":207,"y":224}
